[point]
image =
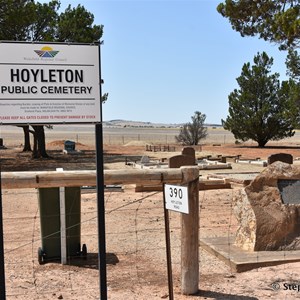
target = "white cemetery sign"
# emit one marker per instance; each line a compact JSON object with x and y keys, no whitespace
{"x":49,"y":83}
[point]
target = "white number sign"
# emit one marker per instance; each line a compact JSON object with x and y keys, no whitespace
{"x":176,"y":198}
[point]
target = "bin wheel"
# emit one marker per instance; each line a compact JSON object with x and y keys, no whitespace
{"x":84,"y":251}
{"x":41,"y":255}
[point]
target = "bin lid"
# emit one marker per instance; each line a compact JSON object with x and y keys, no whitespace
{"x":69,"y":145}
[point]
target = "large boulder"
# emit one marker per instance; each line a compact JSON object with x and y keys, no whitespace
{"x":268,"y":210}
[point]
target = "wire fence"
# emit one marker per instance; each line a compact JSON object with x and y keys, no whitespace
{"x":132,"y":261}
{"x":136,"y":251}
{"x":85,"y":134}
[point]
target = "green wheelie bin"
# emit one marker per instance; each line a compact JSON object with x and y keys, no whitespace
{"x":49,"y":206}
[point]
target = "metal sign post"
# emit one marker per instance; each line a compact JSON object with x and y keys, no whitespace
{"x":168,"y":249}
{"x":176,"y":199}
{"x":101,"y":213}
{"x":100,"y":197}
{"x":2,"y":272}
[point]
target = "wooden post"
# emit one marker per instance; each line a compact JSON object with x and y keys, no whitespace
{"x":190,"y":234}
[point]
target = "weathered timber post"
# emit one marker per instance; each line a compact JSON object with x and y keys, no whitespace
{"x":190,"y":234}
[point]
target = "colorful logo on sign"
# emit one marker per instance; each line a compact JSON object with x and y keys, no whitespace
{"x":46,"y":52}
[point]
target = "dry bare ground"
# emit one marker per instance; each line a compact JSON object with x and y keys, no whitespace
{"x":136,"y":258}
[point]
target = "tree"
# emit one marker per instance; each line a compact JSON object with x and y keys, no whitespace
{"x":276,"y":21}
{"x":293,"y":65}
{"x":293,"y":71}
{"x":76,"y":25}
{"x":262,"y":109}
{"x":26,"y":20}
{"x":192,"y":133}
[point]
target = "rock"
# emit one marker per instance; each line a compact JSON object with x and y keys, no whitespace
{"x":265,"y":222}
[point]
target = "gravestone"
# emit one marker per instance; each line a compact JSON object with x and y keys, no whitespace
{"x":268,"y":210}
{"x":178,"y":161}
{"x":187,"y":158}
{"x":145,"y":159}
{"x":190,"y":151}
{"x":284,"y":157}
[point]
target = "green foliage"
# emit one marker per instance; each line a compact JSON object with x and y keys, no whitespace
{"x":44,"y":21}
{"x":15,"y":19}
{"x":262,"y":109}
{"x":293,"y":65}
{"x":75,"y":25}
{"x":104,"y":97}
{"x":191,"y":133}
{"x":275,"y":21}
{"x":27,"y":20}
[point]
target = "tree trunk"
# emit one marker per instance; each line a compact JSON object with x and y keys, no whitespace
{"x":40,"y":143}
{"x":27,"y":146}
{"x":261,"y":143}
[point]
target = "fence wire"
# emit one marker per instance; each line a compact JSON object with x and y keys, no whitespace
{"x":136,"y":253}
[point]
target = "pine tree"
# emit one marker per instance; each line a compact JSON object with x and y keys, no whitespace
{"x":262,"y":109}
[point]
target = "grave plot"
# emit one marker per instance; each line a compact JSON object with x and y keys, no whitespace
{"x":266,"y":209}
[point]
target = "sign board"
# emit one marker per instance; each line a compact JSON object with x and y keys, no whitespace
{"x":176,"y":198}
{"x":289,"y":190}
{"x":49,"y":83}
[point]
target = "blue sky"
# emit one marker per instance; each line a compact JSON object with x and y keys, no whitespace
{"x":162,"y":60}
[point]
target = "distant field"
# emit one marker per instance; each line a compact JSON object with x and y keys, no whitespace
{"x":159,"y":135}
{"x":85,"y":134}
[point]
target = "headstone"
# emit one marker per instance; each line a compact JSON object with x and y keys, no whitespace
{"x":1,"y":142}
{"x":178,"y":161}
{"x":145,"y":159}
{"x":268,"y":210}
{"x":189,"y":151}
{"x":284,"y":157}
